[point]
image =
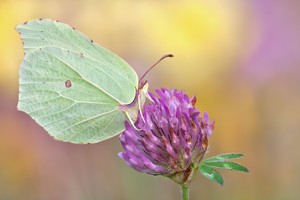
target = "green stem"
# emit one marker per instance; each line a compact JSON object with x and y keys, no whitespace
{"x":184,"y":192}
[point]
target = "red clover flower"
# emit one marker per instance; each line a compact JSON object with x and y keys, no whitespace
{"x":171,"y":139}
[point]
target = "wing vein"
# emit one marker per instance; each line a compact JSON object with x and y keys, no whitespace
{"x":83,"y":121}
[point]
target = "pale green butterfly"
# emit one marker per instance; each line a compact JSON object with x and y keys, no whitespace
{"x":78,"y":91}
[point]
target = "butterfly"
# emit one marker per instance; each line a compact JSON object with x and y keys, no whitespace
{"x":77,"y":90}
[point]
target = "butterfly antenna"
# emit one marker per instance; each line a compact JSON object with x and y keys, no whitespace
{"x":163,"y":57}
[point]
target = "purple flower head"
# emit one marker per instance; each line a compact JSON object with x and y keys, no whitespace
{"x":172,"y":137}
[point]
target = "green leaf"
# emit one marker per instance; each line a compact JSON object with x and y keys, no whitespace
{"x":227,"y":165}
{"x":71,"y":86}
{"x":211,"y":174}
{"x":224,"y":157}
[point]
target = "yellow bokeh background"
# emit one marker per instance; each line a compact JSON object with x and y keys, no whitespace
{"x":240,"y":58}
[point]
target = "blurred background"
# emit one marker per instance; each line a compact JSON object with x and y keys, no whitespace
{"x":240,"y":58}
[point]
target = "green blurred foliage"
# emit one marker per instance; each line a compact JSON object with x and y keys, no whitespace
{"x":240,"y":58}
